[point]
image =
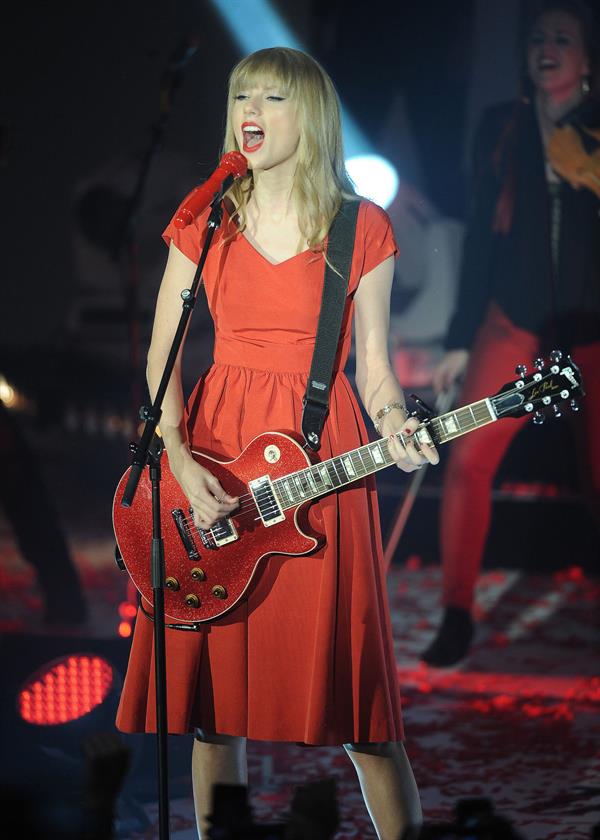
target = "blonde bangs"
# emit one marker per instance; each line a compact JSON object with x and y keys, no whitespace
{"x":264,"y":67}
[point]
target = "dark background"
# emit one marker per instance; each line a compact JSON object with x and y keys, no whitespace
{"x":80,"y":102}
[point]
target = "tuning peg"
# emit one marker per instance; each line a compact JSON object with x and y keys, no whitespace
{"x":557,"y":411}
{"x":521,"y":370}
{"x":574,"y":405}
{"x":555,"y":356}
{"x":538,"y":418}
{"x":538,"y":363}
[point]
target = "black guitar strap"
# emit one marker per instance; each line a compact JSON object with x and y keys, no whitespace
{"x":340,"y":248}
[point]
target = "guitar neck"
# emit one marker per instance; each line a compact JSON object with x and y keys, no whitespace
{"x":337,"y":472}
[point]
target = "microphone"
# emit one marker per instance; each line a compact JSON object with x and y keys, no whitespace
{"x":232,"y":165}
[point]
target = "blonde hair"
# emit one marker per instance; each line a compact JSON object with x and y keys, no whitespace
{"x":320,"y":180}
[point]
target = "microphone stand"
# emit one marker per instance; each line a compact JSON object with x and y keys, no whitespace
{"x":148,"y":452}
{"x":442,"y":405}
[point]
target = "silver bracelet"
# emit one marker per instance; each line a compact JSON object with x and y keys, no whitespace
{"x":385,"y":411}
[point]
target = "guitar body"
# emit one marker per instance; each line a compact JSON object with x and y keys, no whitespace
{"x":231,"y":566}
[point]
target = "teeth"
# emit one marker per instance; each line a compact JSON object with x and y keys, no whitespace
{"x":253,"y":128}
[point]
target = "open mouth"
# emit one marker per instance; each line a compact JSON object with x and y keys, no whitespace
{"x":547,"y":64}
{"x":253,"y":136}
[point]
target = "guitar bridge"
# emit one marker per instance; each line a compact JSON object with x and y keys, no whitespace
{"x":266,"y":501}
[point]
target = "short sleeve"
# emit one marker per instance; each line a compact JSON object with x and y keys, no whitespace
{"x":189,"y":240}
{"x":376,"y":237}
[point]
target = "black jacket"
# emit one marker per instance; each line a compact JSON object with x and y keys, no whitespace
{"x":559,"y":300}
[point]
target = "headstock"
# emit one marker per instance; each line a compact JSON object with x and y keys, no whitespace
{"x":550,"y":386}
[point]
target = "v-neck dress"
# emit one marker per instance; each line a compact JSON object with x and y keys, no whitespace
{"x":308,"y":656}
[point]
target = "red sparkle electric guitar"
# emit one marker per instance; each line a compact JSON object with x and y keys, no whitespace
{"x":207,"y":572}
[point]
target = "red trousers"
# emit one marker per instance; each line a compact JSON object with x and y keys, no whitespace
{"x":474,"y":458}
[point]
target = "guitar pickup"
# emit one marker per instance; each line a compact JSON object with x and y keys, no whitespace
{"x":266,"y":502}
{"x":221,"y":533}
{"x":184,"y":534}
{"x":224,"y":531}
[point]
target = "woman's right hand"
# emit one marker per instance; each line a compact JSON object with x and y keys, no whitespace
{"x":208,"y":499}
{"x":451,"y":368}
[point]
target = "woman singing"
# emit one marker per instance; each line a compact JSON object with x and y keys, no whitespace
{"x":307,"y":657}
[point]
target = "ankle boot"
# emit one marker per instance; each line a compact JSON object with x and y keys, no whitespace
{"x":453,"y":638}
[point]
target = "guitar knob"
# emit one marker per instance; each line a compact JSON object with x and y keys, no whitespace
{"x":555,"y":356}
{"x":538,"y":418}
{"x":521,"y":370}
{"x":172,"y":584}
{"x":557,"y":411}
{"x":574,"y":405}
{"x":192,"y":600}
{"x":198,"y":574}
{"x":219,"y":592}
{"x":538,"y":363}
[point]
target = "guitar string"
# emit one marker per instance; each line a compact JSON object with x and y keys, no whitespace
{"x":248,"y":504}
{"x":248,"y":500}
{"x":250,"y":507}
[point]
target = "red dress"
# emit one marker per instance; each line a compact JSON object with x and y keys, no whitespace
{"x":308,"y":656}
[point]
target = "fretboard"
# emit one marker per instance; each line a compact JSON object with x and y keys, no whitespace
{"x":341,"y":470}
{"x":455,"y":423}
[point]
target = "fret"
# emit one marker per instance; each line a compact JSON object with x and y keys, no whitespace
{"x":359,"y":467}
{"x":324,"y":475}
{"x":278,"y":491}
{"x":333,"y":476}
{"x":463,"y":420}
{"x":370,"y":463}
{"x":359,"y":452}
{"x":298,"y":483}
{"x":289,"y":489}
{"x":339,"y":464}
{"x":377,"y":453}
{"x":303,"y":478}
{"x":310,"y":479}
{"x":349,"y":466}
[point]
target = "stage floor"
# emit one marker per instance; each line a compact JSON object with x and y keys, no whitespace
{"x":517,"y":722}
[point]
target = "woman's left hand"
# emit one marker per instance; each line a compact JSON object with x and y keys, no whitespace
{"x":403,"y":450}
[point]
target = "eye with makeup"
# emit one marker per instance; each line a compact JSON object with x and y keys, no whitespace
{"x":272,"y":97}
{"x":563,"y":40}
